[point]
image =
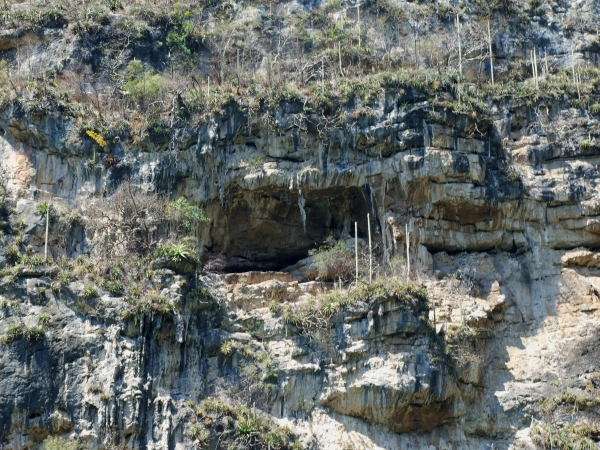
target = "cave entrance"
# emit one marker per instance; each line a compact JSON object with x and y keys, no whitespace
{"x":271,"y":228}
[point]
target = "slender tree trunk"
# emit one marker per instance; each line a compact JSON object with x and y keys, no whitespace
{"x":415,"y":44}
{"x":340,"y":58}
{"x":322,"y":77}
{"x":459,"y":46}
{"x":356,"y":250}
{"x":358,"y":10}
{"x":370,"y":250}
{"x":407,"y":255}
{"x":491,"y":55}
{"x":535,"y":67}
{"x":573,"y":64}
{"x":47,"y":226}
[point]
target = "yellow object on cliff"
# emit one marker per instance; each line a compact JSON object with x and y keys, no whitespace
{"x":96,"y":137}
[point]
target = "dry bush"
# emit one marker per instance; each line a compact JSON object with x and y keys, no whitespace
{"x":126,"y":222}
{"x":333,"y":260}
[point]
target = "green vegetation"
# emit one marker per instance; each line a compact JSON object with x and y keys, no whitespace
{"x":177,"y":252}
{"x":44,"y":320}
{"x":150,"y":304}
{"x":456,"y":333}
{"x":318,"y":314}
{"x":185,"y":215}
{"x":58,"y":443}
{"x":569,"y":399}
{"x":568,"y":421}
{"x":144,"y":88}
{"x":246,"y":427}
{"x":17,"y":330}
{"x":199,"y":433}
{"x":183,"y":36}
{"x":90,"y":291}
{"x":569,"y":437}
{"x":95,"y":389}
{"x":333,"y":260}
{"x":227,"y":348}
{"x":257,"y":57}
{"x":44,"y":208}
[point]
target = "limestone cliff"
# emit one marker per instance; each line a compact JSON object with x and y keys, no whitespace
{"x":495,"y":344}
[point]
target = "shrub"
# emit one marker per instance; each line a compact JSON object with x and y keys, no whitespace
{"x":34,"y":334}
{"x":274,"y":306}
{"x":130,"y":213}
{"x":14,"y":332}
{"x":247,"y":425}
{"x":177,"y":252}
{"x":568,"y":437}
{"x":90,"y":291}
{"x":144,"y":88}
{"x":333,"y":260}
{"x":32,"y":260}
{"x":227,"y":348}
{"x":44,"y":319}
{"x":12,"y":254}
{"x":199,"y":433}
{"x":65,"y":278}
{"x":95,"y":389}
{"x":114,"y":287}
{"x":116,"y":273}
{"x":97,"y":138}
{"x":317,"y":314}
{"x":44,"y":208}
{"x":58,"y":443}
{"x":186,"y":215}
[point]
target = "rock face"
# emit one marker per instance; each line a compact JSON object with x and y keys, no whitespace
{"x":504,"y":223}
{"x":528,"y":241}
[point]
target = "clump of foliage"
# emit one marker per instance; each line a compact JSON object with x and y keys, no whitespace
{"x":44,"y":208}
{"x":567,"y":421}
{"x":199,"y":433}
{"x":90,"y":291}
{"x":17,"y":330}
{"x":133,"y":222}
{"x":44,"y":320}
{"x":150,"y":304}
{"x":247,"y":427}
{"x":333,"y":260}
{"x":59,"y":443}
{"x":183,"y":36}
{"x":318,"y":314}
{"x":227,"y":348}
{"x":177,"y":252}
{"x":185,"y":216}
{"x":144,"y":88}
{"x":569,"y":399}
{"x":462,"y":332}
{"x":12,"y":254}
{"x":568,"y":437}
